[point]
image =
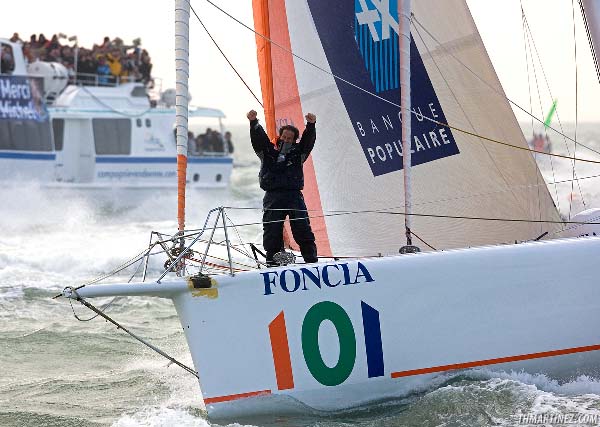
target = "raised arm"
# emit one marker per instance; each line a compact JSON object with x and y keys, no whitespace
{"x":258,"y":136}
{"x":309,"y":136}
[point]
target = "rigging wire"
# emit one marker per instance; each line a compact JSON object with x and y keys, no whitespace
{"x":485,"y":147}
{"x":110,"y":108}
{"x":389,"y":211}
{"x":561,"y":132}
{"x":535,"y":155}
{"x":110,"y":303}
{"x":565,"y":138}
{"x":225,"y":56}
{"x":397,"y":105}
{"x":576,"y":106}
{"x":127,"y":331}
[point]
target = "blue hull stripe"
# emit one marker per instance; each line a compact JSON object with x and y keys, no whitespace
{"x":208,"y":160}
{"x":27,"y":156}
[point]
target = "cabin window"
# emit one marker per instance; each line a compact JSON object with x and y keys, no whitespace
{"x":148,"y":123}
{"x":25,"y":135}
{"x":58,"y":128}
{"x":112,"y":136}
{"x":7,"y":59}
{"x":138,"y":122}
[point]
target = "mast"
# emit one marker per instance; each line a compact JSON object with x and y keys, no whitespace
{"x":405,"y":108}
{"x":591,"y":13}
{"x":182,"y":44}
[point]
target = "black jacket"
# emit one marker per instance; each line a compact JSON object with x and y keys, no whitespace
{"x":286,"y":174}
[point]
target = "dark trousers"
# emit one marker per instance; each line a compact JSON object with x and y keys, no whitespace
{"x":277,"y":206}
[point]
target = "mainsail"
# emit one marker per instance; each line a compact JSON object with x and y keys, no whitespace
{"x":345,"y":70}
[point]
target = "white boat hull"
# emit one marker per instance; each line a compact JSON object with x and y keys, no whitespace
{"x":385,"y":327}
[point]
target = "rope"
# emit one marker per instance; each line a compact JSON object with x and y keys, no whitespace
{"x":424,"y":242}
{"x":99,"y":101}
{"x":110,"y":303}
{"x":119,"y":326}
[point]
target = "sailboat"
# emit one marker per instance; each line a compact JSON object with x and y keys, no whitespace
{"x":488,"y":288}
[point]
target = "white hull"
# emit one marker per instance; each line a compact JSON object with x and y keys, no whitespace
{"x":531,"y":307}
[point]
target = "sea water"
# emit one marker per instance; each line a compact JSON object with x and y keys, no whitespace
{"x":57,"y":371}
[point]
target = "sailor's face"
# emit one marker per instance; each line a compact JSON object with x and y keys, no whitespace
{"x":287,"y":136}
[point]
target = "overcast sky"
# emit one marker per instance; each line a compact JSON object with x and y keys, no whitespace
{"x":213,"y":84}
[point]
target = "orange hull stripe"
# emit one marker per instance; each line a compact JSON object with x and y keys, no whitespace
{"x":231,"y":397}
{"x":281,"y":353}
{"x":495,"y":361}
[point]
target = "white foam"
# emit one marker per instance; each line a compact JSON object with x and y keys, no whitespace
{"x":161,"y":417}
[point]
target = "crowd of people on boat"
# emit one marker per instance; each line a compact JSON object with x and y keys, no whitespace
{"x":107,"y":63}
{"x":211,"y":142}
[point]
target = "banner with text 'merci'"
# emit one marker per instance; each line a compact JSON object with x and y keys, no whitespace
{"x":360,"y":40}
{"x":22,"y":98}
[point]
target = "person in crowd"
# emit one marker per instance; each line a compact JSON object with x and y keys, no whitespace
{"x":113,"y":59}
{"x":192,"y":151}
{"x":105,"y":46}
{"x":42,"y":40}
{"x":7,"y":62}
{"x":200,"y":145}
{"x":124,"y":62}
{"x":86,"y":67}
{"x":52,"y":55}
{"x":15,"y":38}
{"x":103,"y":71}
{"x":282,"y":177}
{"x":53,"y":43}
{"x":228,"y":142}
{"x":67,"y":57}
{"x":217,"y":142}
{"x":207,"y":142}
{"x":145,"y":67}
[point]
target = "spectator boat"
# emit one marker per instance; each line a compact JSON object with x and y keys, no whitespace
{"x":87,"y":133}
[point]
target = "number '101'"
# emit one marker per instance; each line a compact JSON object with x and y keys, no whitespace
{"x":324,"y":374}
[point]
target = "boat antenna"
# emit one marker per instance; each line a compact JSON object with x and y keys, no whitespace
{"x":404,"y":14}
{"x":182,"y":44}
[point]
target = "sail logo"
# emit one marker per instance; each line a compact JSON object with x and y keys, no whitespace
{"x":361,"y":44}
{"x":381,"y":14}
{"x":376,"y":35}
